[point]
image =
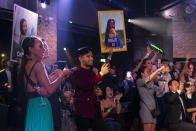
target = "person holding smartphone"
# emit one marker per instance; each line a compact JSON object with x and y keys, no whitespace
{"x":148,"y":92}
{"x":84,"y":80}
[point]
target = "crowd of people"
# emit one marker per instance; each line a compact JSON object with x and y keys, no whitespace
{"x":156,"y":95}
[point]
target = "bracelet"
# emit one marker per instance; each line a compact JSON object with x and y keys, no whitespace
{"x":101,"y":73}
{"x":117,"y":103}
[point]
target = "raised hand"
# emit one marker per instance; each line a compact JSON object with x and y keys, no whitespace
{"x":161,"y":69}
{"x":105,"y":68}
{"x":156,"y":52}
{"x":149,"y":50}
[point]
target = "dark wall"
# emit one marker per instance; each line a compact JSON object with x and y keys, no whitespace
{"x":9,"y":4}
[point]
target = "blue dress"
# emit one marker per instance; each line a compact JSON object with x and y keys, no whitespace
{"x":114,"y":41}
{"x":39,"y":112}
{"x":39,"y":115}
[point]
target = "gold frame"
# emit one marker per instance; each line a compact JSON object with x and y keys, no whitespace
{"x":100,"y":34}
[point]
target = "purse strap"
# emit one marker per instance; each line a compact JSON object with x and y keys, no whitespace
{"x":155,"y":102}
{"x":146,"y":105}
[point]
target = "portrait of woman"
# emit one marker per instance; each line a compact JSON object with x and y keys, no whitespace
{"x":24,"y":24}
{"x":23,"y":30}
{"x":111,"y":36}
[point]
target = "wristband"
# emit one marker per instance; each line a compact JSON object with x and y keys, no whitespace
{"x":101,"y":73}
{"x":108,"y":110}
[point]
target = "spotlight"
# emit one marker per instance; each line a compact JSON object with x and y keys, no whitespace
{"x":45,"y":1}
{"x":70,"y":22}
{"x":129,"y":20}
{"x":64,"y":49}
{"x":43,"y":5}
{"x":166,"y":13}
{"x":2,"y":55}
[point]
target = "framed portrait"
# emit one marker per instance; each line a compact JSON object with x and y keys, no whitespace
{"x":24,"y":24}
{"x":112,"y":31}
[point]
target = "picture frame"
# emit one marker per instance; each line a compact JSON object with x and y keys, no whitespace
{"x":112,"y":31}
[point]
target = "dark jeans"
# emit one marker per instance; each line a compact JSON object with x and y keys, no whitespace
{"x":182,"y":126}
{"x":84,"y":124}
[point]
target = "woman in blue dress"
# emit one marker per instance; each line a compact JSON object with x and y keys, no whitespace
{"x":111,"y":37}
{"x":37,"y":86}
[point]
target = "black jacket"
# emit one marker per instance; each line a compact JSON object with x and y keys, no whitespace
{"x":174,"y":106}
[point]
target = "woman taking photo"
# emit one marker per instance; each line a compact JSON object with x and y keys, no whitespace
{"x":148,"y":92}
{"x":37,"y":86}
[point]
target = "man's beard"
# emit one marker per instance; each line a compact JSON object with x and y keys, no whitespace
{"x":87,"y":65}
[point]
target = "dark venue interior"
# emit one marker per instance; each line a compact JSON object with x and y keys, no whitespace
{"x":149,"y":86}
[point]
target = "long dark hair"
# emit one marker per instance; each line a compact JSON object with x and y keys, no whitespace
{"x":27,"y":42}
{"x":104,"y":91}
{"x":21,"y":26}
{"x":141,"y":70}
{"x":22,"y":95}
{"x":108,"y":30}
{"x":144,"y":61}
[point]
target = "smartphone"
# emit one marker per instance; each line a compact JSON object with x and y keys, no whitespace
{"x":54,"y":66}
